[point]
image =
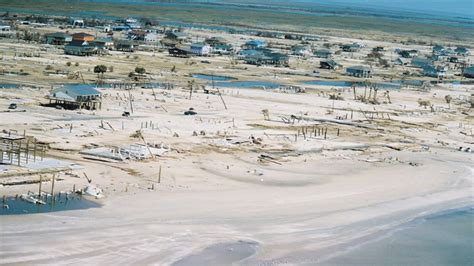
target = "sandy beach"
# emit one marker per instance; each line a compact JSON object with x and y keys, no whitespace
{"x":322,"y":196}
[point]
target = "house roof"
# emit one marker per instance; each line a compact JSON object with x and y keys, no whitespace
{"x":82,"y":35}
{"x":198,"y":45}
{"x":322,"y":51}
{"x":223,"y":46}
{"x":461,"y":50}
{"x":418,"y":61}
{"x":255,"y":43}
{"x":103,"y":40}
{"x":469,"y":70}
{"x":78,"y":43}
{"x":358,"y":68}
{"x":331,"y":63}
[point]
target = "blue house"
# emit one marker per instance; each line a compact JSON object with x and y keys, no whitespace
{"x":435,"y":72}
{"x":263,"y":57}
{"x":420,"y":62}
{"x":76,"y":96}
{"x":323,"y":53}
{"x":469,"y":72}
{"x":462,"y":51}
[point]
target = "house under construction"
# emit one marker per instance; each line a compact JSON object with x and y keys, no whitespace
{"x":17,"y":149}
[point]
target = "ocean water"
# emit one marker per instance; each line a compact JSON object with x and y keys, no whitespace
{"x":442,"y":239}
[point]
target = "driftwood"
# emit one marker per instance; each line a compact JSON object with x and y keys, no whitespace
{"x":335,"y":121}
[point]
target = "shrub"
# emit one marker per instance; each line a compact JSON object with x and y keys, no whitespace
{"x":140,"y":70}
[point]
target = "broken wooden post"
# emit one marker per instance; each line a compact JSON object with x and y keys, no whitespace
{"x":19,"y":153}
{"x":27,"y":149}
{"x":39,"y":189}
{"x":130,"y":96}
{"x":338,"y":132}
{"x":159,"y":175}
{"x":52,"y":187}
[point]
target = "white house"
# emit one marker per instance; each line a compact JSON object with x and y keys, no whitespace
{"x":200,"y":49}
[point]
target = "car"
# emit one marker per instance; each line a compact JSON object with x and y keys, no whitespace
{"x":190,"y":112}
{"x":126,"y":114}
{"x":12,"y":106}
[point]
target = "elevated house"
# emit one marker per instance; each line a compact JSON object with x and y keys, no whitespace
{"x":323,"y":53}
{"x":222,"y":49}
{"x":407,"y":53}
{"x":219,"y":46}
{"x":104,"y":43}
{"x":420,"y":62}
{"x":438,"y":49}
{"x":124,"y":46}
{"x":77,"y":23}
{"x":329,"y":64}
{"x":242,"y":54}
{"x":132,"y":23}
{"x":359,"y":71}
{"x":351,"y":48}
{"x":76,"y":96}
{"x":6,"y":30}
{"x":179,"y":52}
{"x":469,"y":72}
{"x":141,"y":35}
{"x":176,"y":36}
{"x":263,"y":57}
{"x":58,"y":38}
{"x":81,"y":48}
{"x":435,"y":72}
{"x":462,"y":51}
{"x":200,"y":49}
{"x":254,"y":44}
{"x":215,"y":41}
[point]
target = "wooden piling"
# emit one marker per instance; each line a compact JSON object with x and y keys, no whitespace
{"x":39,"y":189}
{"x":52,"y":187}
{"x":159,"y":175}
